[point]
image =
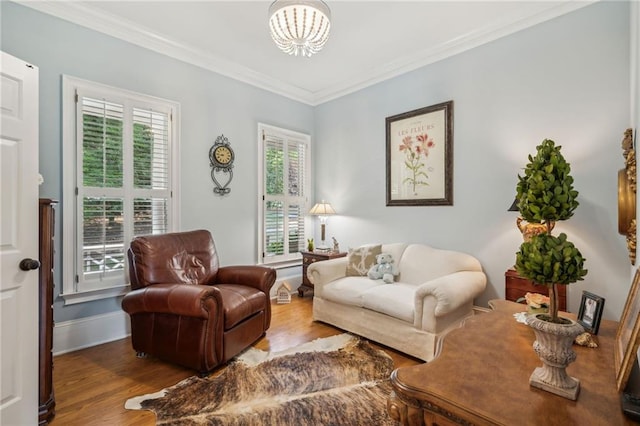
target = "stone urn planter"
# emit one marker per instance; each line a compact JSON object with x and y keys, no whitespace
{"x":554,"y":346}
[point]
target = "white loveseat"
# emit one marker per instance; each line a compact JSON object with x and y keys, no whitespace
{"x":433,"y":294}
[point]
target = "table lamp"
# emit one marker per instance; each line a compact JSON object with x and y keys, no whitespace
{"x":322,"y":209}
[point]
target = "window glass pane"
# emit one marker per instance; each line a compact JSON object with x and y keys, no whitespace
{"x":274,"y":228}
{"x":295,"y":177}
{"x":150,"y":216}
{"x":101,"y":143}
{"x":150,"y":149}
{"x":274,"y":167}
{"x":296,"y":229}
{"x":103,"y":236}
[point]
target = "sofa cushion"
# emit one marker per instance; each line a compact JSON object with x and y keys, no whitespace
{"x":421,"y":263}
{"x":349,"y":290}
{"x":396,"y":300}
{"x":361,"y":259}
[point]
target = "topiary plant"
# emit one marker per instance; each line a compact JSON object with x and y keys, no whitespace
{"x":545,"y":195}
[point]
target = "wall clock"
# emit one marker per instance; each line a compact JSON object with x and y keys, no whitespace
{"x":221,"y":158}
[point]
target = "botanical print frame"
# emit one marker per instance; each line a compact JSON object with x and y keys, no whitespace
{"x":627,"y":336}
{"x":420,"y":157}
{"x":590,"y":312}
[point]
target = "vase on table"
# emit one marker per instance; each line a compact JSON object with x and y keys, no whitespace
{"x":554,"y":346}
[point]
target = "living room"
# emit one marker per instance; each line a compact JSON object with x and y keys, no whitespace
{"x":572,"y":79}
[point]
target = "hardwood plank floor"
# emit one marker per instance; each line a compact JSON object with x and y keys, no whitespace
{"x":92,"y":385}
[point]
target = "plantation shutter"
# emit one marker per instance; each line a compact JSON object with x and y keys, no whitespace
{"x":150,"y":171}
{"x":124,"y":184}
{"x":285,"y":199}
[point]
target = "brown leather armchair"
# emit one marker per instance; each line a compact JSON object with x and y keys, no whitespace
{"x":188,"y":310}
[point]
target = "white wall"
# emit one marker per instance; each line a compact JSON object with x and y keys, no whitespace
{"x":210,"y":105}
{"x":566,"y":79}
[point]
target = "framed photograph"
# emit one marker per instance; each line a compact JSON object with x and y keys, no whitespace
{"x":420,"y":157}
{"x":590,"y":312}
{"x":627,"y":339}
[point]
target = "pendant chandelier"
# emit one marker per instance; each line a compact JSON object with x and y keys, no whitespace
{"x":299,"y":27}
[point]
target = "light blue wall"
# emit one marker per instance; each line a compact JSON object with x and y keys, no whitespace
{"x":210,"y":104}
{"x":566,"y":79}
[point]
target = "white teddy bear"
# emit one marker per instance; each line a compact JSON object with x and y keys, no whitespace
{"x":383,"y":269}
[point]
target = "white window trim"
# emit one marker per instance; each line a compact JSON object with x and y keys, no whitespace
{"x":261,"y":187}
{"x":69,"y":86}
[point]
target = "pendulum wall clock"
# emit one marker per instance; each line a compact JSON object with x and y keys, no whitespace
{"x":221,"y":158}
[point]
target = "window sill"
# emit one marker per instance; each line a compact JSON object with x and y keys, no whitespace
{"x":284,"y":264}
{"x":91,"y":295}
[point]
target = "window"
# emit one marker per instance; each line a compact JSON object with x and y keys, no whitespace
{"x":120,"y":168}
{"x":284,"y":189}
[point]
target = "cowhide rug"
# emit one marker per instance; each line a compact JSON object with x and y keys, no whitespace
{"x":339,"y":380}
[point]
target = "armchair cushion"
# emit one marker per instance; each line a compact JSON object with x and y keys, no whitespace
{"x":240,"y":302}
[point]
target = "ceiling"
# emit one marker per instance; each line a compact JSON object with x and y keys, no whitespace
{"x":370,"y":41}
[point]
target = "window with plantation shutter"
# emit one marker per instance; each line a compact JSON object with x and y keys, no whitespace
{"x":284,"y":189}
{"x":121,"y":176}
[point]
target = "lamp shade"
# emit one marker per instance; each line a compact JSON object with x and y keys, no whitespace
{"x":322,"y":209}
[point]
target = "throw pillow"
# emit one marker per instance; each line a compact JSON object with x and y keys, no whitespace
{"x":361,"y":259}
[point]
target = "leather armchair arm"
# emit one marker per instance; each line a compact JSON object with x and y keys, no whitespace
{"x":259,"y":277}
{"x":198,"y":301}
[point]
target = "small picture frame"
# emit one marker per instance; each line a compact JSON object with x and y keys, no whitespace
{"x":590,"y":312}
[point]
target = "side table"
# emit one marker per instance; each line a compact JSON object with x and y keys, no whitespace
{"x":516,"y":287}
{"x":309,"y":257}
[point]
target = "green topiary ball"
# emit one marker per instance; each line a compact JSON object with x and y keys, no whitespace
{"x":545,"y":192}
{"x":550,"y":260}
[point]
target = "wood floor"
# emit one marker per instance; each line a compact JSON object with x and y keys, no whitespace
{"x":92,"y":385}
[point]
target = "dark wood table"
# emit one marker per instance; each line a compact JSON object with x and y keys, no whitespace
{"x":309,"y":257}
{"x":481,"y":377}
{"x":516,"y":287}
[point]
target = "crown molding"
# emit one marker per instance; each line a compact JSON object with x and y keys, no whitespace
{"x":453,"y":47}
{"x":84,"y":15}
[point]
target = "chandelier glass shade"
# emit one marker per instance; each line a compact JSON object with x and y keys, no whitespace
{"x":299,"y":27}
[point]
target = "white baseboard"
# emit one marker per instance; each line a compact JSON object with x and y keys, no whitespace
{"x":82,"y":333}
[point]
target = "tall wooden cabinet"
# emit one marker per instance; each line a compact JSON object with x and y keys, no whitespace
{"x":46,"y":399}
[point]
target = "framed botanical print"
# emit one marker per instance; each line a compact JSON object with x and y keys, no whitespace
{"x":420,"y":157}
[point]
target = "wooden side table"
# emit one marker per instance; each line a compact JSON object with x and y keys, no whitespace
{"x":309,"y":257}
{"x":516,"y":287}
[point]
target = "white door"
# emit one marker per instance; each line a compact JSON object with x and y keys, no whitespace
{"x":18,"y":241}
